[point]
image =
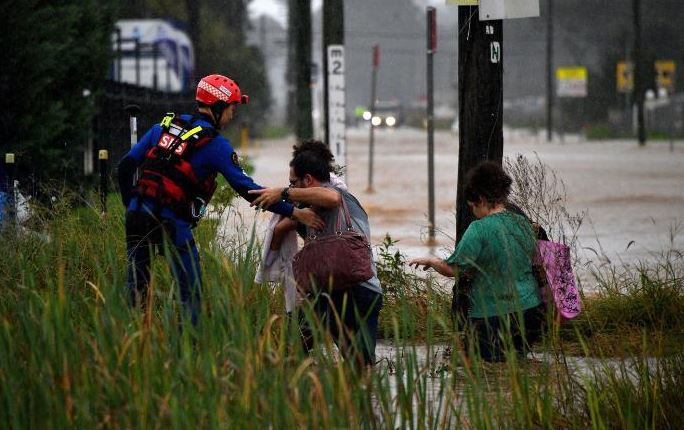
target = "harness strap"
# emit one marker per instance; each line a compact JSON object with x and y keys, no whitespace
{"x":166,"y":122}
{"x":188,"y":134}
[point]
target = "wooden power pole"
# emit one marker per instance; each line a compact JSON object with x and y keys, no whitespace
{"x":334,"y":103}
{"x":333,"y":34}
{"x":480,"y":90}
{"x":549,"y":71}
{"x":300,"y":38}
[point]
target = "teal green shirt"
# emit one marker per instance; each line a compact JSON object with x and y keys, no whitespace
{"x":497,"y":251}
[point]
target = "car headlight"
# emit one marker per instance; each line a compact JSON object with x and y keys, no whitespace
{"x":376,"y":121}
{"x":367,"y":115}
{"x":390,"y":121}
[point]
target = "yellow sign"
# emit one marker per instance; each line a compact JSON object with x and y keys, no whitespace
{"x":572,"y":73}
{"x":463,"y":2}
{"x":665,"y":73}
{"x":571,"y":81}
{"x":624,"y":77}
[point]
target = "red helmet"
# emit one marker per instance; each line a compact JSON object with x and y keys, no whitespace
{"x":218,"y":88}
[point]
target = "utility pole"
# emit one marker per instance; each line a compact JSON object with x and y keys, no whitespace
{"x":300,"y":24}
{"x":431,"y":48}
{"x":371,"y":109}
{"x":638,"y":74}
{"x":334,"y":105}
{"x":549,"y":71}
{"x":480,"y":89}
{"x":290,"y":73}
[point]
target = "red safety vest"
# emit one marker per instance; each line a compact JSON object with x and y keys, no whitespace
{"x":167,"y":177}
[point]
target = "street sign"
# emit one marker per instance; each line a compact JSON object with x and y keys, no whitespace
{"x":463,"y":2}
{"x":432,"y":26}
{"x":376,"y":56}
{"x":508,"y":9}
{"x":501,"y":9}
{"x":624,"y":77}
{"x":665,"y":74}
{"x":336,"y":104}
{"x":571,"y":81}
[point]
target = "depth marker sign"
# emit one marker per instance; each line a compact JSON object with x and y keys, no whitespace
{"x":336,"y":104}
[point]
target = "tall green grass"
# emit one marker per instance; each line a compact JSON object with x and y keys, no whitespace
{"x":74,"y":355}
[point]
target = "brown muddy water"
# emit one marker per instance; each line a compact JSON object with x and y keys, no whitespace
{"x":633,"y":197}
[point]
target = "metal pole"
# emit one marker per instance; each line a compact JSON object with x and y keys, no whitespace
{"x":431,"y":48}
{"x":371,"y":149}
{"x":638,"y":74}
{"x":103,"y":156}
{"x":549,"y":72}
{"x":561,"y":119}
{"x":133,"y":112}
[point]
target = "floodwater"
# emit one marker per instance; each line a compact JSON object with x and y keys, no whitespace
{"x":633,"y":196}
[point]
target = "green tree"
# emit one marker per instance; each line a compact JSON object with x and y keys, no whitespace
{"x":58,"y":53}
{"x":222,"y":49}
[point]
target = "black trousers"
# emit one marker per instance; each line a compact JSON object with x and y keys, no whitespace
{"x":494,"y":335}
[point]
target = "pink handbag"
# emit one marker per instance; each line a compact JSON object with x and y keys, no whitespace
{"x":340,"y":260}
{"x":555,"y":259}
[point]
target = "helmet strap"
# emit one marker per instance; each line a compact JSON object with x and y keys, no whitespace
{"x":217,"y":110}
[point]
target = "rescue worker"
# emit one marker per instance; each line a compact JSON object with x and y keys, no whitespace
{"x":177,"y":163}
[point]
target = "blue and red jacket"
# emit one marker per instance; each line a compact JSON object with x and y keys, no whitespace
{"x":214,"y":155}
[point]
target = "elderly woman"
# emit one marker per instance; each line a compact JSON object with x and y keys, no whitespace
{"x":496,"y":252}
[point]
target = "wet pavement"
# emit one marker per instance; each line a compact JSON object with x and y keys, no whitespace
{"x":634,"y":196}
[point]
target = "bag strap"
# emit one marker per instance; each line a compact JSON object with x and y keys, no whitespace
{"x":343,"y":210}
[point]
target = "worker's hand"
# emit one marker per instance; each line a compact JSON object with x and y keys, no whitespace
{"x":426,"y":262}
{"x":308,"y":217}
{"x":266,"y":197}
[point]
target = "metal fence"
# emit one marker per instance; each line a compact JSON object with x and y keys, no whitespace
{"x":111,"y":125}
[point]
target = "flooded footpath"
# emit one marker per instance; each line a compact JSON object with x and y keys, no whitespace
{"x":443,"y":394}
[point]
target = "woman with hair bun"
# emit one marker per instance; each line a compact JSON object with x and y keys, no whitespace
{"x":496,"y":253}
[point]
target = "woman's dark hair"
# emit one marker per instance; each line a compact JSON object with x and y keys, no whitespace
{"x":314,"y":158}
{"x":489,"y":181}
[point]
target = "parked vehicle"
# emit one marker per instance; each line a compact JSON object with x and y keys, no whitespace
{"x":386,"y":114}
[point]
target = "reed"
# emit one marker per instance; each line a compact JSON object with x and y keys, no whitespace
{"x":74,"y":355}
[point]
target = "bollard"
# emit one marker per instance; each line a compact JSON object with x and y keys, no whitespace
{"x":11,"y":189}
{"x":244,"y":138}
{"x":103,"y":156}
